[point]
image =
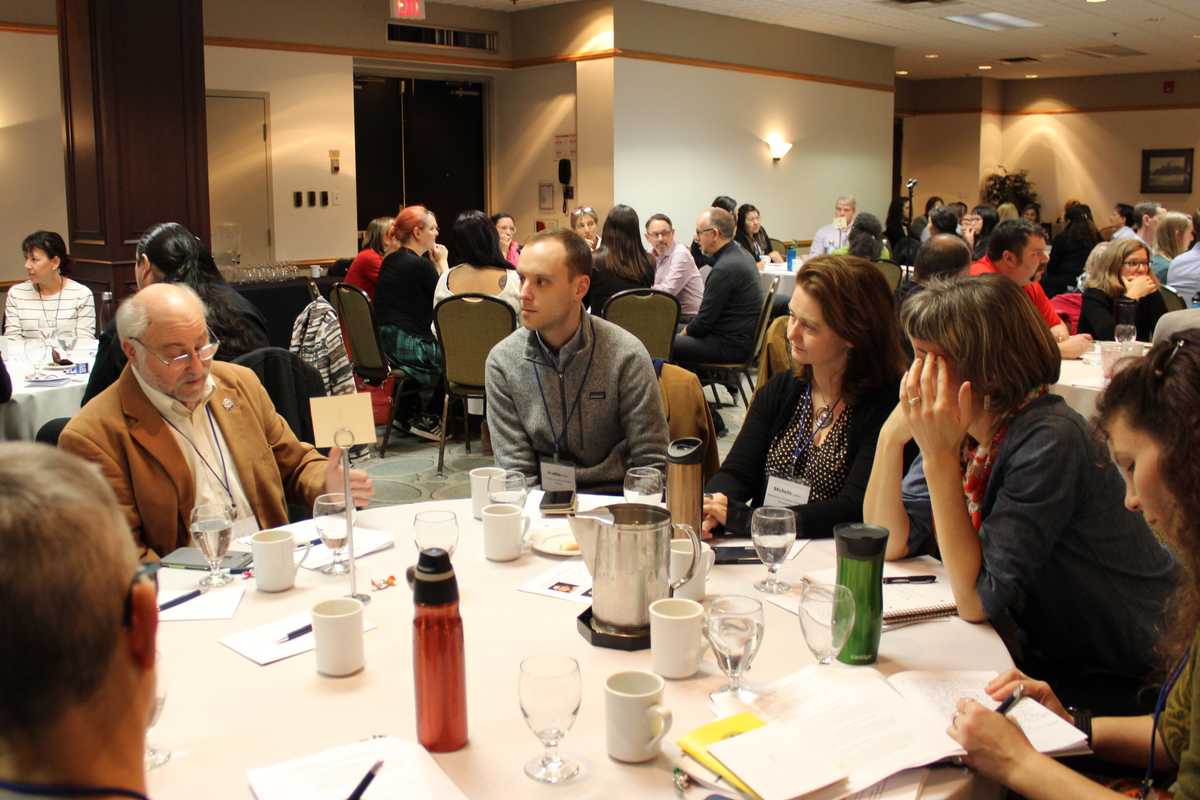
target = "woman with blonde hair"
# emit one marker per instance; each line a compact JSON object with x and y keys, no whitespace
{"x":585,"y":222}
{"x":1008,"y":211}
{"x":1121,"y":275}
{"x":1012,"y":491}
{"x":1173,"y":239}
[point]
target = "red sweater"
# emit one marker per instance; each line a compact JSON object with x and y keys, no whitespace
{"x":364,"y":271}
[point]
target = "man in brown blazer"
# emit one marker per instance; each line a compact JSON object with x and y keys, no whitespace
{"x":178,"y":429}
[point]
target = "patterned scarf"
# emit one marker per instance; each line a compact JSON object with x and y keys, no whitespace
{"x":977,"y":460}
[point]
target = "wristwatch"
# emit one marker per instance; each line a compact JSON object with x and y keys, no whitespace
{"x":1083,"y":721}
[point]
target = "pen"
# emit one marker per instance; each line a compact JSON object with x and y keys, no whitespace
{"x":1011,"y":700}
{"x":366,"y":781}
{"x":912,"y":579}
{"x":183,"y":598}
{"x":296,"y":634}
{"x":311,"y":541}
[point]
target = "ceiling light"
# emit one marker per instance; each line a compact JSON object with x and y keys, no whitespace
{"x":1097,"y":1}
{"x":901,"y":72}
{"x":1034,"y":76}
{"x":993,"y":21}
{"x":985,"y":66}
{"x":932,"y":55}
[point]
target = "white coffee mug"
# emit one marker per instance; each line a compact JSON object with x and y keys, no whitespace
{"x":338,"y":636}
{"x":504,"y":531}
{"x":681,"y":557}
{"x":479,"y":488}
{"x":635,"y":719}
{"x":676,"y":636}
{"x":275,"y":564}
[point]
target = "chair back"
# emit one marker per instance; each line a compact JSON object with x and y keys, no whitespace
{"x":891,"y":271}
{"x":290,"y":383}
{"x":1172,"y":299}
{"x":649,"y":314}
{"x":361,"y":334}
{"x":468,"y":327}
{"x":764,"y":319}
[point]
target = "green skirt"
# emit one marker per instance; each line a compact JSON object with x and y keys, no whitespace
{"x":420,"y":358}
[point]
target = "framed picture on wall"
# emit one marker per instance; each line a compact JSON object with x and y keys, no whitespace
{"x":1167,"y":171}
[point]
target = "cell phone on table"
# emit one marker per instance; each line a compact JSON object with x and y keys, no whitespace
{"x":736,"y":555}
{"x":192,"y":558}
{"x":561,"y":502}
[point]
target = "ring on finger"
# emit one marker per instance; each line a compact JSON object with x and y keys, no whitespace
{"x":912,"y":401}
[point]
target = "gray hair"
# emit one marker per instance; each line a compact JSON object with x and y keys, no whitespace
{"x":133,"y":318}
{"x":68,"y":559}
{"x":723,"y":221}
{"x":848,"y":199}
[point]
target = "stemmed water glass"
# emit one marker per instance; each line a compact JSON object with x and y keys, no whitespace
{"x":64,"y":337}
{"x":436,"y":529}
{"x":643,"y":485}
{"x":735,"y":630}
{"x":35,"y":353}
{"x":329,"y":515}
{"x":826,"y":618}
{"x":550,"y":693}
{"x":773,"y":531}
{"x":508,"y":487}
{"x":211,"y":526}
{"x":153,"y":756}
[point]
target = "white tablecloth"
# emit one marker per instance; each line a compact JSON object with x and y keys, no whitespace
{"x":31,"y":406}
{"x":787,"y":280}
{"x":1080,"y":383}
{"x":225,"y":714}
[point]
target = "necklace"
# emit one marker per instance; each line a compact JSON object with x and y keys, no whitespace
{"x":52,"y":324}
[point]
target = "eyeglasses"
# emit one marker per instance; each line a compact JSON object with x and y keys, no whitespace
{"x":205,"y":353}
{"x":1161,"y":372}
{"x":702,"y":231}
{"x":660,"y":234}
{"x":1136,"y":264}
{"x":148,"y":570}
{"x":591,"y":212}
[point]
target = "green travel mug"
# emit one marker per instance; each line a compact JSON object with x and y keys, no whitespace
{"x":860,"y":549}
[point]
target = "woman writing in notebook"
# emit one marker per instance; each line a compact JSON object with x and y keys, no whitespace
{"x":1150,"y":417}
{"x":1013,"y":492}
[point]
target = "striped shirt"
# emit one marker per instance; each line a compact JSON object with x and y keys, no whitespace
{"x":25,"y":311}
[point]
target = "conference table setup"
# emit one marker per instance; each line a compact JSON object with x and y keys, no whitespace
{"x":226,"y":717}
{"x":39,"y":396}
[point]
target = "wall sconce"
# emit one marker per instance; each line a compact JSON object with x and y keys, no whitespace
{"x":778,"y":148}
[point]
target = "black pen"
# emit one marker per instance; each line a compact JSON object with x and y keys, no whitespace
{"x":366,"y":781}
{"x":311,"y":541}
{"x":296,"y":634}
{"x":912,"y":579}
{"x":183,"y":598}
{"x":1011,"y":700}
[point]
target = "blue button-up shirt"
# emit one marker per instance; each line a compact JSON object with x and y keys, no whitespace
{"x":1184,"y":273}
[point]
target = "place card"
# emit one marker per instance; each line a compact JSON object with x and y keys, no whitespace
{"x":350,"y":411}
{"x":567,"y":581}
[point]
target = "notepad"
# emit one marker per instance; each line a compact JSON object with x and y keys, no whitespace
{"x":262,"y":646}
{"x":902,"y":602}
{"x":408,"y":771}
{"x":220,"y":603}
{"x":366,"y":541}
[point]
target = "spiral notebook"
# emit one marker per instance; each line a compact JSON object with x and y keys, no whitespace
{"x":905,"y":602}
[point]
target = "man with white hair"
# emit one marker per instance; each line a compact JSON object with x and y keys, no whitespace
{"x":837,"y":233}
{"x":177,"y":430}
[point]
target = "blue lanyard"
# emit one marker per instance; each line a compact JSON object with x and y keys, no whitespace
{"x":823,"y":421}
{"x":537,"y":373}
{"x":1159,"y":707}
{"x":217,"y":444}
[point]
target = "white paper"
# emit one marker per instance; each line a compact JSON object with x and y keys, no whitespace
{"x":569,"y":580}
{"x":905,"y":785}
{"x":221,"y":603}
{"x":261,"y":645}
{"x":766,"y":760}
{"x":745,"y":541}
{"x":898,"y":598}
{"x":366,"y":541}
{"x":408,"y":771}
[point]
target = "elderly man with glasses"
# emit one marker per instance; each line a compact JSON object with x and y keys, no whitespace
{"x":178,"y":429}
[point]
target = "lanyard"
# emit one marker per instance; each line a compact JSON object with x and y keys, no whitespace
{"x":68,"y":790}
{"x":823,"y":421}
{"x":537,"y":373}
{"x":217,"y":444}
{"x":1159,"y":707}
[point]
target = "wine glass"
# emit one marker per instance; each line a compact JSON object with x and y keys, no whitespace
{"x":436,"y":529}
{"x":509,"y":487}
{"x":64,"y":337}
{"x":550,"y":693}
{"x":773,"y":531}
{"x":153,"y":756}
{"x":643,"y":485}
{"x":329,"y":514}
{"x":212,"y":533}
{"x":826,"y":618}
{"x":735,"y":630}
{"x":35,"y":353}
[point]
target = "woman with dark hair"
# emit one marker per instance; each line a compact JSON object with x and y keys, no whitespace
{"x":985,"y":218}
{"x":752,"y":236}
{"x":865,"y":239}
{"x":49,"y":300}
{"x":506,"y":229}
{"x":920,"y":225}
{"x":1122,"y":273}
{"x":1070,"y":251}
{"x":481,"y":269}
{"x":1149,"y":418}
{"x":1013,"y":493}
{"x":899,"y":236}
{"x":364,"y":269}
{"x":621,"y":263}
{"x":1032,"y":212}
{"x":170,"y":253}
{"x":809,"y":436}
{"x":1122,"y":218}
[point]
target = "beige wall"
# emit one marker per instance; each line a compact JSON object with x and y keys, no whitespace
{"x":596,"y":123}
{"x":942,"y":152}
{"x":579,"y":27}
{"x":32,"y":170}
{"x":1142,"y":89}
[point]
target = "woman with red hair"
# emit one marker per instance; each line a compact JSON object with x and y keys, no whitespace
{"x":404,"y":306}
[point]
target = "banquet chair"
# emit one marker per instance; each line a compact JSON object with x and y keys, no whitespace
{"x":891,"y":272}
{"x":651,"y":315}
{"x":468,"y":327}
{"x":1172,"y":299}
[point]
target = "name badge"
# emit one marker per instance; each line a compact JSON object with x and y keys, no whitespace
{"x":558,"y":476}
{"x":783,"y":493}
{"x":246,"y":526}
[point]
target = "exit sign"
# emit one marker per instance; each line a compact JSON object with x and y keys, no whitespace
{"x":406,"y":9}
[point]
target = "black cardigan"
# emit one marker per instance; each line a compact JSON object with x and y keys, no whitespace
{"x":743,"y":478}
{"x":1098,"y":315}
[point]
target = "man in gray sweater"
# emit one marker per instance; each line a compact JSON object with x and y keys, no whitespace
{"x":572,"y":400}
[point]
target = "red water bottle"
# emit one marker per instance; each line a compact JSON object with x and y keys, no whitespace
{"x":439,"y":663}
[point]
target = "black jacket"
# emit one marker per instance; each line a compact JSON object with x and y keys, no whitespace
{"x":1098,"y":315}
{"x":733,"y":300}
{"x":743,"y":478}
{"x":5,"y":383}
{"x":290,"y":383}
{"x":1067,"y":258}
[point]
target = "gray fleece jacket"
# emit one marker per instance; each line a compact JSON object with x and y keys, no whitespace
{"x":619,"y":421}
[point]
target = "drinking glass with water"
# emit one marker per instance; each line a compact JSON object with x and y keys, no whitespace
{"x":826,"y":618}
{"x":329,"y":514}
{"x":773,"y":531}
{"x":735,"y":629}
{"x":643,"y":485}
{"x":212,"y":533}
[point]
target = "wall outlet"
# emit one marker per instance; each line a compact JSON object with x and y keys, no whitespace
{"x":324,"y":199}
{"x":337,"y":198}
{"x":298,"y":199}
{"x":312,"y":199}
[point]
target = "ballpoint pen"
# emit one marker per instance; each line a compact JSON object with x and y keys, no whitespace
{"x":296,"y":634}
{"x":183,"y":598}
{"x":911,"y":579}
{"x":366,"y":781}
{"x":1011,"y":700}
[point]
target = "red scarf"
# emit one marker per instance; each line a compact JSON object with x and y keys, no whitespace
{"x":977,"y":461}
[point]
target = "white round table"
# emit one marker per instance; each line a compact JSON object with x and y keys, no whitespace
{"x":225,"y":714}
{"x":32,"y":406}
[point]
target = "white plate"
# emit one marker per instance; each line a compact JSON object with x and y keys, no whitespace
{"x":47,"y":380}
{"x":549,"y":542}
{"x":58,"y":367}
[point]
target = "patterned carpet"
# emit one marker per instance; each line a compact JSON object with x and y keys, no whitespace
{"x":409,"y":473}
